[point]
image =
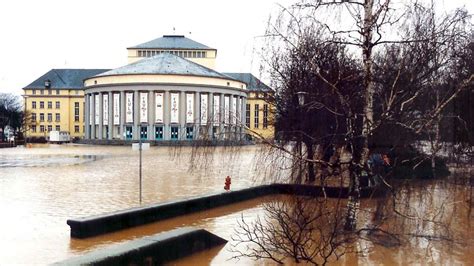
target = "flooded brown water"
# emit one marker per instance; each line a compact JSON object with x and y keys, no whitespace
{"x":41,"y":187}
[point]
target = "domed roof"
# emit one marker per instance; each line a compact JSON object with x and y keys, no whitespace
{"x":165,"y":64}
{"x":172,"y":42}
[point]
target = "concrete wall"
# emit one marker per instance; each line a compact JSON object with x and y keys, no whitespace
{"x":152,"y":250}
{"x":101,"y":224}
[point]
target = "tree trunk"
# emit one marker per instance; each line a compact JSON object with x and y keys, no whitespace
{"x":354,"y":187}
{"x":310,"y":165}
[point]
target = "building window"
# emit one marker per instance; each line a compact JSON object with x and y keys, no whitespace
{"x":41,"y":117}
{"x":144,"y":132}
{"x":57,"y":92}
{"x":42,"y":93}
{"x":139,"y":53}
{"x":159,"y":133}
{"x":41,"y":105}
{"x":41,"y":128}
{"x":49,"y":92}
{"x":76,"y":112}
{"x":194,"y":54}
{"x":174,"y":133}
{"x":33,"y":128}
{"x":33,"y":92}
{"x":58,"y":105}
{"x":76,"y":129}
{"x":265,"y":116}
{"x":50,"y":117}
{"x":255,"y":119}
{"x":33,"y":105}
{"x":50,"y":128}
{"x":189,"y":132}
{"x":50,"y":105}
{"x":203,"y":54}
{"x":247,"y":115}
{"x":33,"y":117}
{"x":58,"y":128}
{"x":128,"y":133}
{"x":58,"y":117}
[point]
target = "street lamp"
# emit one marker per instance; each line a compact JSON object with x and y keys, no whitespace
{"x":301,"y":97}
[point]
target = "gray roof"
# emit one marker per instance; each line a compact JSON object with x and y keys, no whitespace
{"x":65,"y":78}
{"x":165,"y":64}
{"x":172,"y":42}
{"x":253,"y":83}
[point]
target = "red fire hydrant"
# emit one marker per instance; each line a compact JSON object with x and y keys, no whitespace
{"x":227,"y":183}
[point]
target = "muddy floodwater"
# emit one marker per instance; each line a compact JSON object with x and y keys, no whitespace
{"x":43,"y":186}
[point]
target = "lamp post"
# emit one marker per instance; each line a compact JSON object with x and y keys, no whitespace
{"x":301,"y":101}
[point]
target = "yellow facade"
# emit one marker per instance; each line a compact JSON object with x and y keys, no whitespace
{"x":260,"y":115}
{"x":60,"y":110}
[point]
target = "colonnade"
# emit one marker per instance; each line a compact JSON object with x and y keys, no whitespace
{"x":164,"y":115}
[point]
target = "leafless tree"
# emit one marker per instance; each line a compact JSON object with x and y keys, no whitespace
{"x":394,"y":68}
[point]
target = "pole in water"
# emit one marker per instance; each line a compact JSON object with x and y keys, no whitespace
{"x":140,"y":168}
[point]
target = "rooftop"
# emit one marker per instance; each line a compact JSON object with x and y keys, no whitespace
{"x":165,"y":64}
{"x":172,"y":42}
{"x":253,"y":83}
{"x":65,"y":78}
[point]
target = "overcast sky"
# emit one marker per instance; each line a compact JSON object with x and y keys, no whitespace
{"x":36,"y":36}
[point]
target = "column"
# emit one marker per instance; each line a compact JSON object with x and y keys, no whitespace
{"x":166,"y":118}
{"x":210,"y":114}
{"x":93,"y":116}
{"x":122,"y":115}
{"x":197,"y":114}
{"x":222,"y":130}
{"x":243,"y":115}
{"x":87,"y":131}
{"x":237,"y":117}
{"x":136,"y":116}
{"x":101,"y":114}
{"x":231,"y":130}
{"x":151,"y":115}
{"x":111,"y":116}
{"x":182,"y":115}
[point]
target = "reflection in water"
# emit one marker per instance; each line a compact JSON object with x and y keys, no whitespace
{"x":35,"y":202}
{"x":45,"y":160}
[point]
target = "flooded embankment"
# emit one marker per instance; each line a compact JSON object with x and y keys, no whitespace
{"x":42,"y":187}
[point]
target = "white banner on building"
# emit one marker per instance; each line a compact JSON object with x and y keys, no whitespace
{"x":226,"y":109}
{"x":233,"y":114}
{"x":203,"y":108}
{"x":159,"y":107}
{"x":91,"y":110}
{"x":189,"y":108}
{"x":174,"y":108}
{"x":129,"y":108}
{"x":116,"y":109}
{"x":143,"y":107}
{"x":216,"y":109}
{"x":105,"y":106}
{"x":97,"y":109}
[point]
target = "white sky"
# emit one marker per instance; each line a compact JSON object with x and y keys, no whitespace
{"x":36,"y":36}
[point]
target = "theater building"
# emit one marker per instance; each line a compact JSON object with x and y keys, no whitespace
{"x":164,"y":97}
{"x":169,"y":91}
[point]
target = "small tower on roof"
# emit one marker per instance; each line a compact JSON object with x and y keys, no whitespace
{"x":175,"y":44}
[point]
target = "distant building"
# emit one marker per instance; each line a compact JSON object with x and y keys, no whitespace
{"x":168,"y":91}
{"x":55,"y":101}
{"x":259,"y":110}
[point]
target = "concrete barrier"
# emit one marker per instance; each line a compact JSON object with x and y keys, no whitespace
{"x":114,"y":221}
{"x":151,"y":250}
